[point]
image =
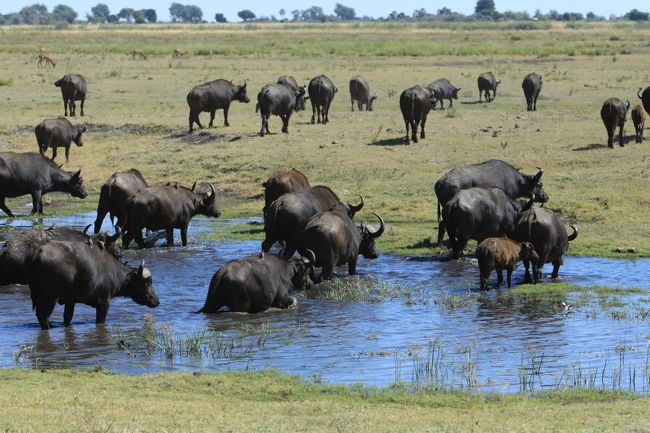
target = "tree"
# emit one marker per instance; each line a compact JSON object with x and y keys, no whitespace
{"x":420,"y":13}
{"x":246,"y":15}
{"x":282,"y":12}
{"x":150,"y":15}
{"x":176,"y":12}
{"x":344,"y":12}
{"x":636,"y":15}
{"x":35,"y":14}
{"x":139,"y":16}
{"x":296,"y":14}
{"x":485,"y":7}
{"x":100,"y":13}
{"x":220,"y":18}
{"x":314,"y":13}
{"x":64,"y":13}
{"x":126,"y":14}
{"x":193,"y":14}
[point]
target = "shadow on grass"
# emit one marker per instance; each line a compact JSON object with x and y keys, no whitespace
{"x":626,"y":140}
{"x":473,"y":102}
{"x":591,"y":146}
{"x":397,"y":141}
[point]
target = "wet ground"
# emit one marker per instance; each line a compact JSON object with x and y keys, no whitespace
{"x":428,"y":327}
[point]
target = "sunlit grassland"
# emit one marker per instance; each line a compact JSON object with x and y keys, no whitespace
{"x":32,"y":401}
{"x":604,"y":192}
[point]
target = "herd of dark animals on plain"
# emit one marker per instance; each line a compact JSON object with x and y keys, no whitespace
{"x":477,"y":201}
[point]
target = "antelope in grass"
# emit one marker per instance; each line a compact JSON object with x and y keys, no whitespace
{"x":179,"y":54}
{"x":138,"y":53}
{"x":45,"y":61}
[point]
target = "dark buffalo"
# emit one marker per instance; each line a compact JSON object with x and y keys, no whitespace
{"x":56,"y":133}
{"x":285,"y":218}
{"x":18,"y":250}
{"x":613,"y":113}
{"x":32,"y":173}
{"x":288,"y":80}
{"x":114,"y":194}
{"x":415,"y":103}
{"x":321,"y":92}
{"x":487,"y":83}
{"x":638,"y":118}
{"x":492,"y":173}
{"x":280,"y":100}
{"x":545,"y":230}
{"x":212,"y":96}
{"x":360,"y":92}
{"x":479,"y":213}
{"x":73,"y":88}
{"x":444,"y":90}
{"x":257,"y":283}
{"x":337,"y":240}
{"x":77,"y":272}
{"x":645,"y":98}
{"x":532,"y":85}
{"x":166,"y":207}
{"x":502,"y":253}
{"x":282,"y":182}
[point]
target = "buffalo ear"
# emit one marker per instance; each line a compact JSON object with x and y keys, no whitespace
{"x":77,"y":175}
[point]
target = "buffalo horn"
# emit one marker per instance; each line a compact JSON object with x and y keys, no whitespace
{"x":212,"y":191}
{"x":311,"y":257}
{"x":539,"y":174}
{"x":529,"y":203}
{"x":82,"y":128}
{"x":638,"y":93}
{"x":379,"y":231}
{"x":193,"y":186}
{"x":86,"y":229}
{"x":358,"y":207}
{"x":575,"y":233}
{"x":115,"y":237}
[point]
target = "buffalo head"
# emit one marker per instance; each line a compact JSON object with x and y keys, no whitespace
{"x":300,"y":99}
{"x":241,"y":95}
{"x":370,"y":101}
{"x":208,"y":206}
{"x":78,"y":138}
{"x":367,"y":247}
{"x":535,"y":186}
{"x":432,"y":97}
{"x":454,"y":94}
{"x":303,"y":266}
{"x":527,"y":253}
{"x":75,"y":186}
{"x":140,"y":287}
{"x":352,"y":209}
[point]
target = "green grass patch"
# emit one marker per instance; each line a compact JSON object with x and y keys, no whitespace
{"x":6,"y":81}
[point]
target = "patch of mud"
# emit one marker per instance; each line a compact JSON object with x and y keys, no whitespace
{"x":526,"y":61}
{"x":202,"y":137}
{"x":130,"y":128}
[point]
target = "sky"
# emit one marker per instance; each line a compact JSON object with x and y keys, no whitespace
{"x":375,"y":8}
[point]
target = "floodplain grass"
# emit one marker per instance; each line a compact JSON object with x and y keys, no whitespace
{"x":35,"y":401}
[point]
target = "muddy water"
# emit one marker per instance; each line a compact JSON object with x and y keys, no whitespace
{"x":491,"y":342}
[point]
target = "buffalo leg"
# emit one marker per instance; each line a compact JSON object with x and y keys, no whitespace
{"x":441,"y":232}
{"x":212,"y":114}
{"x":352,"y":102}
{"x":556,"y":267}
{"x":101,"y":311}
{"x":65,"y":107}
{"x":620,"y":136}
{"x":499,"y":277}
{"x":37,"y":203}
{"x":610,"y":137}
{"x":73,"y":108}
{"x":285,"y":122}
{"x":510,"y":269}
{"x":352,"y":266}
{"x":424,"y":120}
{"x":169,"y":235}
{"x":68,"y":312}
{"x":67,"y":153}
{"x":459,"y":246}
{"x":184,"y":236}
{"x":43,"y":313}
{"x":225,"y":115}
{"x":414,"y":130}
{"x":4,"y":207}
{"x":527,"y":278}
{"x":326,"y":113}
{"x":313,"y":113}
{"x":283,"y":301}
{"x":535,"y":103}
{"x":82,"y":106}
{"x":54,"y":148}
{"x":407,"y":123}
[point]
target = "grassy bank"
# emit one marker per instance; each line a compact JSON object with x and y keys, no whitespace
{"x":137,"y":115}
{"x":72,"y":401}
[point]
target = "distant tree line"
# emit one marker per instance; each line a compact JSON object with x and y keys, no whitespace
{"x":485,"y":10}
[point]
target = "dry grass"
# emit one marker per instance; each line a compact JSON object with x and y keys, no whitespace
{"x":602,"y":191}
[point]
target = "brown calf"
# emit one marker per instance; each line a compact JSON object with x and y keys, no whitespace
{"x":638,"y":117}
{"x":501,"y":253}
{"x":138,"y":53}
{"x":44,"y":60}
{"x":179,"y":54}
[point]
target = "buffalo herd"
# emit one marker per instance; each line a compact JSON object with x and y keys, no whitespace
{"x":490,"y":202}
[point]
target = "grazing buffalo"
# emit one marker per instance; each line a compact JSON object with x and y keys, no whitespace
{"x":638,"y":118}
{"x":77,"y":272}
{"x":360,"y":92}
{"x":479,"y":213}
{"x":444,"y":90}
{"x":282,"y":182}
{"x":502,"y":253}
{"x":492,"y":173}
{"x":415,"y":103}
{"x":18,"y":250}
{"x":212,"y":96}
{"x":73,"y":88}
{"x":56,"y":133}
{"x":545,"y":230}
{"x":257,"y":283}
{"x":166,"y":207}
{"x":532,"y":85}
{"x":645,"y":98}
{"x":487,"y":83}
{"x":32,"y":173}
{"x":280,"y":100}
{"x":288,"y":80}
{"x":613,"y":114}
{"x":285,"y":218}
{"x":321,"y":92}
{"x":114,"y":194}
{"x":337,"y":240}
